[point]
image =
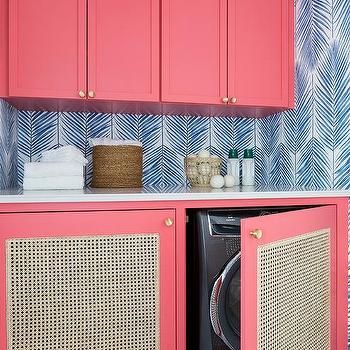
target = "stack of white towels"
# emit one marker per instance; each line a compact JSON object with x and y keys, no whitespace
{"x":58,"y":169}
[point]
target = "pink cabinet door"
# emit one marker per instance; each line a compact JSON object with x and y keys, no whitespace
{"x":260,"y":52}
{"x":123,"y":50}
{"x":88,"y":280}
{"x":288,"y":284}
{"x":194,"y":51}
{"x":47,"y":50}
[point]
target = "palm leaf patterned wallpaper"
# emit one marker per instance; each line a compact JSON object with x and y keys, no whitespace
{"x":305,"y":147}
{"x":166,"y":139}
{"x":8,"y":146}
{"x":313,"y":140}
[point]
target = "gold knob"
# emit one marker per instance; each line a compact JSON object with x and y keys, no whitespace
{"x":225,"y":99}
{"x":169,"y":222}
{"x":256,"y":234}
{"x":233,"y":99}
{"x":82,"y":94}
{"x":91,"y":94}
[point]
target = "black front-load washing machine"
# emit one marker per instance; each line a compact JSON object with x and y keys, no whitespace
{"x":213,"y":278}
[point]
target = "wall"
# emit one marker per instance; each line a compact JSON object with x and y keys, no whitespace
{"x":8,"y":146}
{"x":166,"y":139}
{"x":311,"y":143}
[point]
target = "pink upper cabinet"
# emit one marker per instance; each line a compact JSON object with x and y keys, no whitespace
{"x":194,"y":51}
{"x":4,"y":48}
{"x":236,"y":52}
{"x":260,"y":52}
{"x":123,"y":49}
{"x":47,"y":48}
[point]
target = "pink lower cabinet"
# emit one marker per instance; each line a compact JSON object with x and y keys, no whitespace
{"x":268,"y":278}
{"x":87,"y":280}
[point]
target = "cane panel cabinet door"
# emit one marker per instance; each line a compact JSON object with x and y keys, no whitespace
{"x":87,"y":280}
{"x":194,"y":51}
{"x":123,"y":49}
{"x":288,"y":275}
{"x":47,"y":48}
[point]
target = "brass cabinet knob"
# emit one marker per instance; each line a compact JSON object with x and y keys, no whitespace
{"x":225,"y":99}
{"x":169,"y":222}
{"x":82,"y":94}
{"x":256,"y":234}
{"x":91,"y":94}
{"x":233,"y":99}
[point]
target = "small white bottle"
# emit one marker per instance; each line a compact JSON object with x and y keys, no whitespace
{"x":248,"y":168}
{"x":233,"y":166}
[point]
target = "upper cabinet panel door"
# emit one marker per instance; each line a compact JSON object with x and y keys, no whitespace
{"x":47,"y":48}
{"x":288,"y":280}
{"x":194,"y":51}
{"x":260,"y":52}
{"x":123,"y":49}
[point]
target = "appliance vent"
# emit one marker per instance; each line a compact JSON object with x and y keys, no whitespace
{"x":294,"y":293}
{"x":83,"y":293}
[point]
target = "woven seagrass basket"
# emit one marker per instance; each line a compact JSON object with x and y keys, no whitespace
{"x":199,"y":170}
{"x":117,"y":166}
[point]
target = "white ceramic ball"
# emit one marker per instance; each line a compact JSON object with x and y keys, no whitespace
{"x":229,"y":181}
{"x":217,"y":181}
{"x":204,"y":154}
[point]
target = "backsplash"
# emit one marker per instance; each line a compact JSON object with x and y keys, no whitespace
{"x":166,"y":139}
{"x":8,"y":145}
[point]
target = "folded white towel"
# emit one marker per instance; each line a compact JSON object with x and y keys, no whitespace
{"x":64,"y":154}
{"x":53,"y":183}
{"x":110,"y":142}
{"x":41,"y":169}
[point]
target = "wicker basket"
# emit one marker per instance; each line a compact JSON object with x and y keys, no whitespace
{"x":199,"y":170}
{"x":117,"y":166}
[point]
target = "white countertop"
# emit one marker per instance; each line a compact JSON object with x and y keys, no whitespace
{"x":161,"y":194}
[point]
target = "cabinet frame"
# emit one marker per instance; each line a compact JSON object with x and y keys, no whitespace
{"x":341,"y":204}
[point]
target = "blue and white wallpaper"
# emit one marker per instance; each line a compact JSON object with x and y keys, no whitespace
{"x":166,"y":139}
{"x":311,"y":144}
{"x":8,"y":146}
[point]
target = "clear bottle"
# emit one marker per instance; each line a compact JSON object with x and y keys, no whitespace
{"x":233,"y":166}
{"x":248,"y":168}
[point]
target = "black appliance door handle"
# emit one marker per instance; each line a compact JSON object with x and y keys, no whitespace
{"x":214,"y":316}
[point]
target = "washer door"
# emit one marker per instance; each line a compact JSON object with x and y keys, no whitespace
{"x":225,"y":304}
